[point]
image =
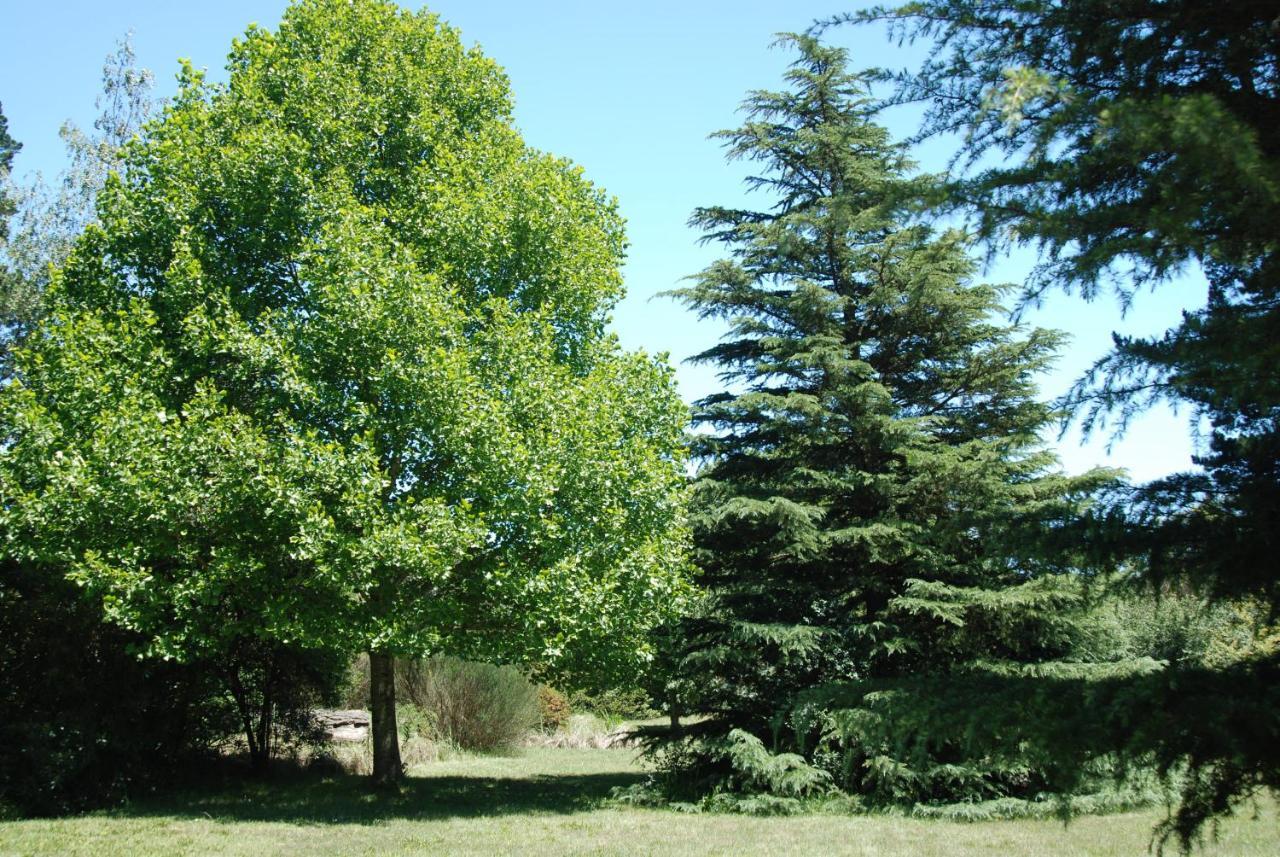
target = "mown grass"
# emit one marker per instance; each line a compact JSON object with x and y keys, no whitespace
{"x":549,"y":801}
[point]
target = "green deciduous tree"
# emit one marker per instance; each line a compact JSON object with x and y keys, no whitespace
{"x":1131,"y":141}
{"x":334,"y":365}
{"x":874,"y":500}
{"x":91,"y":719}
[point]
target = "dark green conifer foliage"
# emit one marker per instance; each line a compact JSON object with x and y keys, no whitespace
{"x":1130,"y":140}
{"x":874,"y":500}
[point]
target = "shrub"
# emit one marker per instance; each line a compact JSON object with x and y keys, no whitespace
{"x":355,"y":690}
{"x":85,"y":722}
{"x":472,"y":706}
{"x":414,"y":722}
{"x":554,"y":708}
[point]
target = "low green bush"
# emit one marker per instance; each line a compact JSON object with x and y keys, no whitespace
{"x":472,"y":706}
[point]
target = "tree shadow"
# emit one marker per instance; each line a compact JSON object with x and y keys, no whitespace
{"x":304,"y":798}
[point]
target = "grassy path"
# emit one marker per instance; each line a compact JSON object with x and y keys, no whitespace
{"x":548,"y":802}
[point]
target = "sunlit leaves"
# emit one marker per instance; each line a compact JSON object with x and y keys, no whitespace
{"x":333,"y":370}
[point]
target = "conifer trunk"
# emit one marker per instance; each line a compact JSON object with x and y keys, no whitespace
{"x":382,"y":706}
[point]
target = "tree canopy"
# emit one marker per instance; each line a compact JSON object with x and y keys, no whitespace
{"x":8,"y":148}
{"x":333,"y":366}
{"x":8,"y":206}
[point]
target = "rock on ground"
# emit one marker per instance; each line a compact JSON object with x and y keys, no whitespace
{"x":349,"y":724}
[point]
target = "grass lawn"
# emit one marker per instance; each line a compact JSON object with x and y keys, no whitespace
{"x":548,"y":801}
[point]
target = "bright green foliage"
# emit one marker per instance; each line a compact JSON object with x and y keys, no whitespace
{"x":331,"y":371}
{"x":91,"y":722}
{"x":1129,"y":141}
{"x":874,"y":501}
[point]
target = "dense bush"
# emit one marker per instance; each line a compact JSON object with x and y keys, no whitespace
{"x":88,"y":722}
{"x":472,"y":706}
{"x":355,"y":688}
{"x":85,"y":721}
{"x":910,"y":742}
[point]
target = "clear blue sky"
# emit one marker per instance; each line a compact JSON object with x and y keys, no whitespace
{"x":630,"y":91}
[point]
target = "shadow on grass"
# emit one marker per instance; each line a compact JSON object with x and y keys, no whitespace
{"x":308,"y":798}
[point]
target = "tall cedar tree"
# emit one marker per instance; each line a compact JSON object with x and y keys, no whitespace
{"x":873,"y":490}
{"x":1128,"y":141}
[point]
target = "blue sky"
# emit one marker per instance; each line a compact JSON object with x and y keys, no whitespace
{"x":630,"y":91}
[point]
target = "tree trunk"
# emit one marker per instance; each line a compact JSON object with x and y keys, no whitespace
{"x":258,"y":755}
{"x":382,"y":708}
{"x":263,"y":760}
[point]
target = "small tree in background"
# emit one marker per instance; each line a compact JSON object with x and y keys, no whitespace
{"x":8,"y":148}
{"x":47,"y":220}
{"x":332,"y":371}
{"x":874,"y":500}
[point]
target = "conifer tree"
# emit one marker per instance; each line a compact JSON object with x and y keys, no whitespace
{"x":1129,"y":141}
{"x":8,"y":148}
{"x":874,"y":499}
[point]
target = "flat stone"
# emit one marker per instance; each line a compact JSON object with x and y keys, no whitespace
{"x":348,"y":733}
{"x":343,"y":724}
